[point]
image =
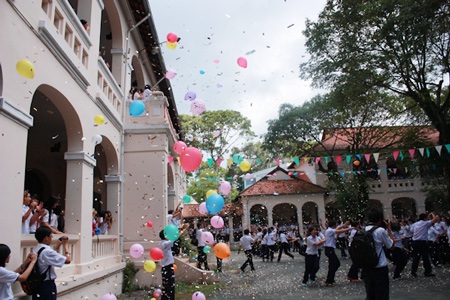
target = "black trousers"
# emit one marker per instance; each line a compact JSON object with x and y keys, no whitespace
{"x":342,"y":244}
{"x":47,"y":291}
{"x":400,"y":260}
{"x":376,"y":282}
{"x":311,"y":267}
{"x":272,"y":249}
{"x":284,"y":247}
{"x":168,"y":283}
{"x":420,"y":249}
{"x":354,"y":270}
{"x":202,"y":258}
{"x":333,"y":264}
{"x":249,"y":260}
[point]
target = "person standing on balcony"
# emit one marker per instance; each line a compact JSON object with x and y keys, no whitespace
{"x":50,"y":219}
{"x":48,"y":260}
{"x":147,"y":93}
{"x":27,"y":212}
{"x":8,"y":277}
{"x":38,"y":214}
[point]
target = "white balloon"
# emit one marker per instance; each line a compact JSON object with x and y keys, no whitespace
{"x":97,"y":139}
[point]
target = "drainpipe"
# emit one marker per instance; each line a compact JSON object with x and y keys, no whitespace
{"x":122,"y":146}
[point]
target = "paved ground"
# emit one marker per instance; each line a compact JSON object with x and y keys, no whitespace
{"x":282,"y":281}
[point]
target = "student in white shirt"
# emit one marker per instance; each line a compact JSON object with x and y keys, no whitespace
{"x":376,"y":281}
{"x":284,"y":245}
{"x":330,"y":246}
{"x":312,"y":255}
{"x":246,"y":242}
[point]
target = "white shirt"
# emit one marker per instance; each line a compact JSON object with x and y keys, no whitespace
{"x":49,"y":257}
{"x":407,"y":231}
{"x":201,"y":243}
{"x":351,"y":236}
{"x":7,"y":277}
{"x":147,"y":94}
{"x":26,"y":223}
{"x":312,"y":249}
{"x":166,"y":247}
{"x":330,"y":235}
{"x":381,"y":238}
{"x":420,"y":230}
{"x":283,"y":238}
{"x":432,"y":234}
{"x":271,"y":238}
{"x":246,"y":242}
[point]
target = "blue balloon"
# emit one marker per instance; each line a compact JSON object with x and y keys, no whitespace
{"x":137,"y":108}
{"x":97,"y":231}
{"x":214,"y":203}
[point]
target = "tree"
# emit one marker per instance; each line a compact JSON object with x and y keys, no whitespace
{"x":215,"y":132}
{"x":396,"y":47}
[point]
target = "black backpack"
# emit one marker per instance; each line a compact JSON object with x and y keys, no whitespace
{"x":35,"y":279}
{"x":193,"y":237}
{"x":362,"y":249}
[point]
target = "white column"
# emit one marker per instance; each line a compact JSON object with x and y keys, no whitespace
{"x":112,"y":203}
{"x":79,"y":194}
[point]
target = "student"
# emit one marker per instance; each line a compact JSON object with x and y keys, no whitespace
{"x":399,"y":257}
{"x":284,"y":246}
{"x":246,"y":242}
{"x":202,"y":257}
{"x":8,"y":277}
{"x":330,"y":246}
{"x":312,"y":255}
{"x":271,"y":242}
{"x":50,"y":219}
{"x":48,"y":260}
{"x":27,"y":212}
{"x":420,"y":244}
{"x":167,"y":272}
{"x":352,"y":274}
{"x":376,"y":281}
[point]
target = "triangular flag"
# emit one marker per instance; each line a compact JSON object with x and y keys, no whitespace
{"x":375,"y":156}
{"x":447,"y":146}
{"x":338,"y":159}
{"x":358,"y":156}
{"x":412,"y":152}
{"x":210,"y":162}
{"x":170,"y":160}
{"x":367,"y":157}
{"x":219,"y":161}
{"x":229,"y":162}
{"x":277,"y":161}
{"x":258,"y":161}
{"x":401,"y":155}
{"x":428,"y":152}
{"x":317,"y":160}
{"x":438,"y":149}
{"x":296,"y":161}
{"x":178,"y":159}
{"x":326,"y":160}
{"x":421,"y":151}
{"x":348,"y":158}
{"x":395,"y":154}
{"x":395,"y":170}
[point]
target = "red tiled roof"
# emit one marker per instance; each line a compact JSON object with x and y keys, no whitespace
{"x":293,"y":185}
{"x":339,"y":139}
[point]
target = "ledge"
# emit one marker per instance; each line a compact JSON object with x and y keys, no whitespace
{"x":15,"y":114}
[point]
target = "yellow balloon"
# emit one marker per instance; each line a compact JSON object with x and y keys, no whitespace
{"x":99,"y":119}
{"x":25,"y":68}
{"x":171,"y":46}
{"x":210,"y":192}
{"x":149,"y":266}
{"x":245,"y":166}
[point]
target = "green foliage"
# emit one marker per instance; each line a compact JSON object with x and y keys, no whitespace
{"x":129,"y":273}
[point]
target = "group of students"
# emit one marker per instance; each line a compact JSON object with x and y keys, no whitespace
{"x":36,"y":213}
{"x":140,"y":94}
{"x":101,"y":222}
{"x":396,"y":242}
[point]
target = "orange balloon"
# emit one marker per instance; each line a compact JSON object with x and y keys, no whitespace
{"x":356,"y":163}
{"x":175,"y":267}
{"x":221,"y":250}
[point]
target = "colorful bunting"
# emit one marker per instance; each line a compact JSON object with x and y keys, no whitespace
{"x":367,"y":157}
{"x":338,"y":159}
{"x":412,"y":152}
{"x":395,"y":154}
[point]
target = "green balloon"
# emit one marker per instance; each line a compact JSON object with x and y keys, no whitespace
{"x":171,"y":232}
{"x":186,"y":199}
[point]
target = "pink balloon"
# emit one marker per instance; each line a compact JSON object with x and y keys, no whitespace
{"x":108,"y":296}
{"x":225,"y":188}
{"x":191,"y":159}
{"x":242,"y":62}
{"x":179,"y":147}
{"x":156,"y":254}
{"x":172,"y":37}
{"x":198,"y":296}
{"x":248,"y":176}
{"x":207,"y":238}
{"x":149,"y":224}
{"x":136,"y":250}
{"x":170,"y":74}
{"x":217,"y":222}
{"x":216,"y":61}
{"x":202,"y":208}
{"x":198,"y":107}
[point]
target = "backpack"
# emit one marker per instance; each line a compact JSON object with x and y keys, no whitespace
{"x":362,"y":249}
{"x":35,"y":279}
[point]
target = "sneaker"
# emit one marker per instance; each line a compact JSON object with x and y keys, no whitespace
{"x":304,"y":284}
{"x":430,"y":275}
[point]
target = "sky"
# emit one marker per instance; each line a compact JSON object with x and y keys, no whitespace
{"x":214,"y":34}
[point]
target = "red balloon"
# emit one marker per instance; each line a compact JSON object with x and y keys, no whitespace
{"x":172,"y":37}
{"x":156,"y":254}
{"x":191,"y":159}
{"x":149,"y":224}
{"x":179,"y":147}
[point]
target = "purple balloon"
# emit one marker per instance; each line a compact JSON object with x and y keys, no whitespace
{"x":190,"y":96}
{"x":225,"y":188}
{"x":198,"y":296}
